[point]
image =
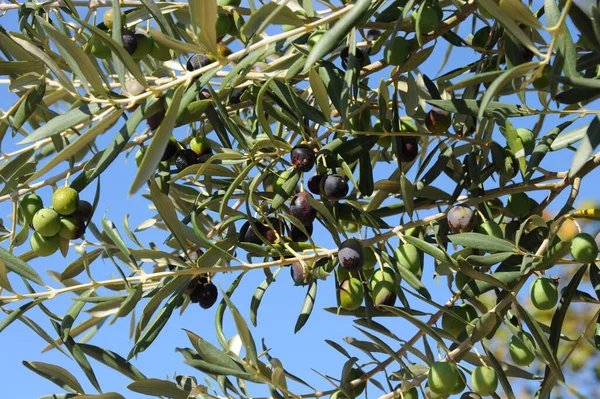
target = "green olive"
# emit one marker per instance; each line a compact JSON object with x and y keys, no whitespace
{"x":351,"y":293}
{"x":484,"y":380}
{"x":519,"y":352}
{"x":442,"y":378}
{"x":29,"y":204}
{"x":46,"y":222}
{"x":44,"y":246}
{"x":584,"y":248}
{"x":65,"y":200}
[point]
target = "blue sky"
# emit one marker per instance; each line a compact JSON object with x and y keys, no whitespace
{"x":299,"y":353}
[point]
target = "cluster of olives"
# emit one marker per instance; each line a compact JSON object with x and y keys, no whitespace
{"x":445,"y":379}
{"x":66,"y":219}
{"x":181,"y":156}
{"x":136,"y":44}
{"x":202,"y":291}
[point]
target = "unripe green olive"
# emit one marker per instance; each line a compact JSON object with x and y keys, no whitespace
{"x":107,"y":18}
{"x":200,"y":145}
{"x":160,"y":52}
{"x":409,"y":258}
{"x":519,"y":352}
{"x":351,"y":293}
{"x":584,"y":248}
{"x":453,"y":325}
{"x":490,"y":228}
{"x":46,"y":222}
{"x":461,"y":382}
{"x":544,"y":293}
{"x":314,"y":38}
{"x":65,"y":200}
{"x":484,"y":380}
{"x":518,"y":205}
{"x":29,"y":205}
{"x":44,"y":246}
{"x":232,"y":3}
{"x":398,"y":51}
{"x":224,"y":22}
{"x":100,"y":49}
{"x":481,"y":37}
{"x":351,"y":375}
{"x":442,"y":378}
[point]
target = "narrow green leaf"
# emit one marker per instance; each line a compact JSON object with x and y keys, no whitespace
{"x":482,"y":241}
{"x":156,"y":387}
{"x":307,"y":306}
{"x":156,"y":149}
{"x":113,"y":233}
{"x":587,"y":146}
{"x":16,"y":265}
{"x":542,"y":147}
{"x":79,"y":62}
{"x":336,"y":34}
{"x":472,"y":107}
{"x":55,"y":374}
{"x":204,"y":14}
{"x":257,"y":299}
{"x":320,"y":92}
{"x":112,"y":360}
{"x":244,"y":332}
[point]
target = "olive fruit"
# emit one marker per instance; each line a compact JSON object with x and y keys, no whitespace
{"x":412,"y":393}
{"x":300,"y":208}
{"x":351,"y":294}
{"x":303,"y":158}
{"x":269,"y":232}
{"x":351,"y":375}
{"x":205,"y":293}
{"x":314,"y":184}
{"x":470,"y":395}
{"x":518,"y":205}
{"x":46,"y":222}
{"x":44,"y":246}
{"x":108,"y":18}
{"x":29,"y":204}
{"x":197,"y":61}
{"x":409,"y":148}
{"x":247,"y":234}
{"x":429,"y":19}
{"x":100,"y":49}
{"x":171,"y":150}
{"x":65,"y":200}
{"x":528,"y":139}
{"x":155,"y":120}
{"x":314,"y":38}
{"x":223,"y":51}
{"x":461,"y":382}
{"x":71,"y":227}
{"x":144,"y":45}
{"x":544,"y":293}
{"x":200,"y":145}
{"x":383,"y":287}
{"x":481,"y":37}
{"x":351,"y":255}
{"x":398,"y":51}
{"x":544,"y":80}
{"x":130,"y":42}
{"x":490,"y":228}
{"x":584,"y":248}
{"x":134,"y":88}
{"x":373,"y":34}
{"x":296,"y":235}
{"x":235,"y":96}
{"x":361,"y":57}
{"x":461,"y":280}
{"x":597,"y":240}
{"x":461,"y":219}
{"x":442,"y":378}
{"x":334,"y":187}
{"x":453,"y":325}
{"x":300,"y":274}
{"x":437,"y":121}
{"x":484,"y":380}
{"x":519,"y":352}
{"x":223,"y":24}
{"x":409,"y":258}
{"x":160,"y":52}
{"x":185,"y":158}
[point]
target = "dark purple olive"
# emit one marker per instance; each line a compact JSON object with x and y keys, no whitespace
{"x":130,"y":42}
{"x":155,"y":120}
{"x":360,"y":57}
{"x":373,"y":34}
{"x":351,"y":255}
{"x":185,"y":158}
{"x":299,"y":273}
{"x":298,"y":236}
{"x":438,"y":121}
{"x":300,"y":208}
{"x":461,"y":219}
{"x":334,"y":187}
{"x":235,"y":97}
{"x":303,"y":158}
{"x":205,"y":293}
{"x":197,"y":61}
{"x":247,"y":234}
{"x":314,"y":184}
{"x":409,"y":149}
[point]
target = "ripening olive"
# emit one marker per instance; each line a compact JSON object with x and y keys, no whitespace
{"x":461,"y":219}
{"x":442,"y":378}
{"x":351,"y":255}
{"x":71,"y":227}
{"x":484,"y":380}
{"x":351,"y":294}
{"x":29,"y":204}
{"x":584,"y":248}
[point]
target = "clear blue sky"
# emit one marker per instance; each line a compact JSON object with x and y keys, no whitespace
{"x":299,"y":353}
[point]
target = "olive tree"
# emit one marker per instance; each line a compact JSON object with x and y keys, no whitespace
{"x":421,"y":159}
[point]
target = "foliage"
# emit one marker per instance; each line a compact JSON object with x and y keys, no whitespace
{"x":229,"y":108}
